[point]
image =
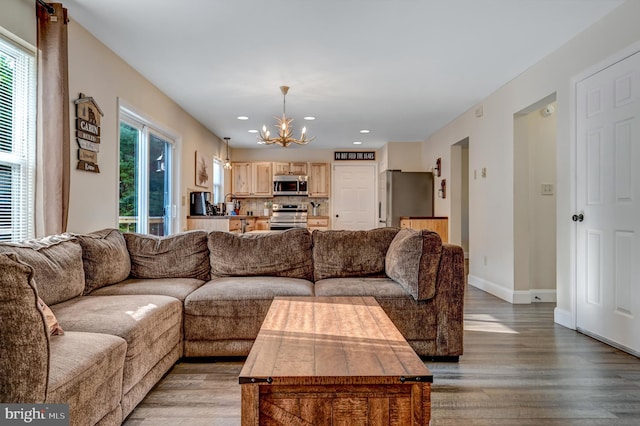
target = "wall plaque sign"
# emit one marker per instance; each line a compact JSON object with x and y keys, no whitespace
{"x":354,"y":155}
{"x":88,"y":115}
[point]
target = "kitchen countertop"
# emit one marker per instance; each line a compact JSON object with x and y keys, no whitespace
{"x":423,"y":217}
{"x":235,"y":216}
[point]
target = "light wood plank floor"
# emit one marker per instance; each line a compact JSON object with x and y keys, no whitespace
{"x":519,"y":368}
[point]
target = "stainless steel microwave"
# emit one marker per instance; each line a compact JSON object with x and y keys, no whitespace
{"x":290,"y":185}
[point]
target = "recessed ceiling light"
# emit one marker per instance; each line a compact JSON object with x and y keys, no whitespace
{"x":253,"y":131}
{"x":357,"y":143}
{"x":365,"y":131}
{"x":309,"y":118}
{"x":243,"y":117}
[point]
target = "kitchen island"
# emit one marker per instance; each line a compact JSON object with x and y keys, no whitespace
{"x":437,"y":224}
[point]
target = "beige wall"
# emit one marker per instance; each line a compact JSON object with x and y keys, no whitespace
{"x":18,"y":18}
{"x":491,"y":145}
{"x":96,"y":71}
{"x":278,"y":154}
{"x":405,"y":156}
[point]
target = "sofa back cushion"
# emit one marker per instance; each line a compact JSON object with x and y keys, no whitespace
{"x":342,"y":254}
{"x":285,"y":254}
{"x":412,"y":260}
{"x":24,"y":351}
{"x":105,"y":258}
{"x":183,"y":255}
{"x":57,"y":264}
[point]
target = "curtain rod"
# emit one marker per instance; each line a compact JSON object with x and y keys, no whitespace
{"x":47,"y":6}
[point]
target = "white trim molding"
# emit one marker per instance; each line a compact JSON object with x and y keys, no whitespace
{"x":521,"y":297}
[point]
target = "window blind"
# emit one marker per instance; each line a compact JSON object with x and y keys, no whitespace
{"x":17,"y":141}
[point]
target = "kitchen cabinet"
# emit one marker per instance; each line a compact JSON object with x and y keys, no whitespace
{"x":319,"y":180}
{"x":297,"y":168}
{"x":436,"y":224}
{"x":251,"y":179}
{"x":235,"y":225}
{"x":262,"y":224}
{"x":320,"y":223}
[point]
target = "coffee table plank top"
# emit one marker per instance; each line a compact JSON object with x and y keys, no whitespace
{"x":331,"y":340}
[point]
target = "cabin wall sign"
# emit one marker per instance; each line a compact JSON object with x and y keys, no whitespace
{"x":88,"y":115}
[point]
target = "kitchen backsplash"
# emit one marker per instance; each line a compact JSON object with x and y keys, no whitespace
{"x":256,"y":205}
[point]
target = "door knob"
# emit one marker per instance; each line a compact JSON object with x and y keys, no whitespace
{"x":577,"y":217}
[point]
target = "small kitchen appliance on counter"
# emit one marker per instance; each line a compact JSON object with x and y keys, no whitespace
{"x":199,"y":205}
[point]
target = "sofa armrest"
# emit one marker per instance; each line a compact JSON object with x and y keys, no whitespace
{"x":449,"y":300}
{"x":24,"y":347}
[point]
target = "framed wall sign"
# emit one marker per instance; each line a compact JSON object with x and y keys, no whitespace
{"x":354,"y":155}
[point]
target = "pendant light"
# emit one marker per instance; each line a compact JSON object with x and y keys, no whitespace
{"x":227,"y":162}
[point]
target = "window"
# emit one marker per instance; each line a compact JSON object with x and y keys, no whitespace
{"x":146,"y":182}
{"x":17,"y":141}
{"x":218,"y":181}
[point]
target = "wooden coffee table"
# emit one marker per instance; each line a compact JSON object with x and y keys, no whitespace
{"x":333,"y":360}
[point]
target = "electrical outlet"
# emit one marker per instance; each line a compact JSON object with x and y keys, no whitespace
{"x":484,"y":172}
{"x":485,"y":260}
{"x":546,"y":189}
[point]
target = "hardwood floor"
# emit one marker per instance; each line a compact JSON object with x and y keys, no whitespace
{"x":519,"y":368}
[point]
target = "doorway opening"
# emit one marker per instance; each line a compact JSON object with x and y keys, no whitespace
{"x":460,"y":194}
{"x":535,"y":135}
{"x":459,"y":215}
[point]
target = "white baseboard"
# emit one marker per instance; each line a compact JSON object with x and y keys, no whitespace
{"x":543,"y":295}
{"x":564,"y":318}
{"x":512,"y":296}
{"x":491,"y":288}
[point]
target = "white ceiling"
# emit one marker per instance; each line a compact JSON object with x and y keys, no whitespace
{"x":402,"y":68}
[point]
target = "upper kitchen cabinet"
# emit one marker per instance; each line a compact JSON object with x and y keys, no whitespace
{"x":251,"y":179}
{"x":319,"y":180}
{"x":297,"y":169}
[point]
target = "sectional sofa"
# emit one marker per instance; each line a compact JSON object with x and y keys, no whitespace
{"x":95,"y":320}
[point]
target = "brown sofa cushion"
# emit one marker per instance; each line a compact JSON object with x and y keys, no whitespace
{"x":285,"y":254}
{"x":341,"y":254}
{"x":182,"y":255}
{"x":105,"y":258}
{"x":412,"y":260}
{"x":57,"y":264}
{"x":24,"y":347}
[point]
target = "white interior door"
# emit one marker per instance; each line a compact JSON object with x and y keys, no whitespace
{"x":608,"y":194}
{"x":354,"y":204}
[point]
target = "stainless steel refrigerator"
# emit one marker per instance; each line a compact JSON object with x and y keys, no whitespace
{"x":404,"y":194}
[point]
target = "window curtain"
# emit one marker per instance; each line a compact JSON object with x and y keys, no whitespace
{"x":52,"y":134}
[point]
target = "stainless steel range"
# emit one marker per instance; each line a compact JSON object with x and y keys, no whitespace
{"x":287,"y":216}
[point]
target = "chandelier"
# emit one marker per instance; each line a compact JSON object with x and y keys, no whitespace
{"x":285,"y":131}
